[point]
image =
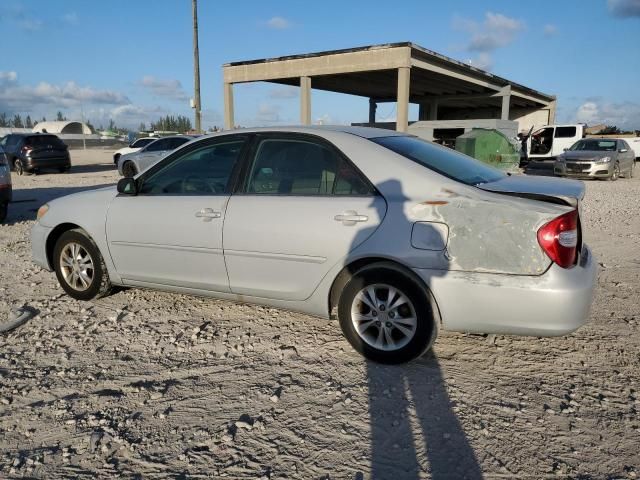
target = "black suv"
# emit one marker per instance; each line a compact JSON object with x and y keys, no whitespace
{"x":32,"y":152}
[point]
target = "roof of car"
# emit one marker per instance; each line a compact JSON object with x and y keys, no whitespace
{"x":364,"y":132}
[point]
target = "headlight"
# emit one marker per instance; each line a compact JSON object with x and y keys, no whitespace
{"x":42,"y":211}
{"x":604,"y":160}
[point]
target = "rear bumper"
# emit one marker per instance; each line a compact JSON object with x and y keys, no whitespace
{"x":552,"y":304}
{"x":39,"y":234}
{"x":52,"y":162}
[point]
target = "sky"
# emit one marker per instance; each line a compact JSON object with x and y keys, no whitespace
{"x":132,"y":61}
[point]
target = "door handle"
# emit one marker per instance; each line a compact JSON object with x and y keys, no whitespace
{"x":350,"y":217}
{"x":207,"y":214}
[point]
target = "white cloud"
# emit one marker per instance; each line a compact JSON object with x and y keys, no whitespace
{"x":624,"y":8}
{"x":278,"y":23}
{"x":549,"y":30}
{"x":284,"y":92}
{"x":70,"y":18}
{"x":268,"y":113}
{"x":171,"y":89}
{"x":21,"y":17}
{"x":623,"y":115}
{"x":496,"y":31}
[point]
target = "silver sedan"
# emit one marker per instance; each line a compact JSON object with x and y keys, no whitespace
{"x":395,"y":236}
{"x":131,"y":164}
{"x":606,"y":158}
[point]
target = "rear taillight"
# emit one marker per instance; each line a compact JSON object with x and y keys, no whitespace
{"x":559,"y":239}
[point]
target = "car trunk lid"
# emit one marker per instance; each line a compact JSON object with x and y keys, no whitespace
{"x":555,"y":190}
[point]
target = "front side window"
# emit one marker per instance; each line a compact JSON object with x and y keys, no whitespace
{"x":301,"y":167}
{"x":177,"y":142}
{"x":200,"y":171}
{"x":443,"y":160}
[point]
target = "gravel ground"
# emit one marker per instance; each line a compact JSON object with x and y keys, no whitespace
{"x":147,"y":384}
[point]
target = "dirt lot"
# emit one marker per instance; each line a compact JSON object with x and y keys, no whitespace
{"x":154,"y":385}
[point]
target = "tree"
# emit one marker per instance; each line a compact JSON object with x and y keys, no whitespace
{"x":142,"y":127}
{"x":28,"y":123}
{"x":170,"y":123}
{"x":60,"y":117}
{"x":17,"y":121}
{"x":4,"y":122}
{"x":112,"y":125}
{"x":44,"y":119}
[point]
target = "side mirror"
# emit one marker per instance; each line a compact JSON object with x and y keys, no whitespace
{"x":127,"y":186}
{"x":623,"y":150}
{"x":131,"y":145}
{"x":565,"y":149}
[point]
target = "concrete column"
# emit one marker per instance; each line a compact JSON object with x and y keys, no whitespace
{"x":552,"y":112}
{"x":506,"y":100}
{"x":305,"y":100}
{"x":404,"y":82}
{"x":373,"y":106}
{"x":229,"y":122}
{"x":433,"y":111}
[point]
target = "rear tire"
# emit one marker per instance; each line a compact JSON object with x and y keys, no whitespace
{"x":79,"y":266}
{"x":400,"y":329}
{"x":129,"y":169}
{"x":631,"y":168}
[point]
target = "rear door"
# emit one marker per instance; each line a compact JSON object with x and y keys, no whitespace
{"x":302,"y":208}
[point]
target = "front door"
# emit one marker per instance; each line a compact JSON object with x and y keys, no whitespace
{"x":302,"y":209}
{"x":171,"y":232}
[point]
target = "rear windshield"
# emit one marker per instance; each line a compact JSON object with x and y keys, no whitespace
{"x":42,"y":140}
{"x":443,"y":160}
{"x":595,"y":145}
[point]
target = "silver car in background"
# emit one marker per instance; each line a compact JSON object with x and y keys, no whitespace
{"x":133,"y":163}
{"x":606,"y":158}
{"x":397,"y":236}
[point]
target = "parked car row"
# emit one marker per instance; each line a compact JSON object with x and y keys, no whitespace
{"x":397,"y":236}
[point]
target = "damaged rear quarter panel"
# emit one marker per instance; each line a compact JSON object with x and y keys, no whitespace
{"x":490,"y":232}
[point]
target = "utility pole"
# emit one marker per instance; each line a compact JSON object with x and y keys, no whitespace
{"x":196,"y":65}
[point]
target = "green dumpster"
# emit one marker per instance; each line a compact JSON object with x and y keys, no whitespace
{"x":491,"y":147}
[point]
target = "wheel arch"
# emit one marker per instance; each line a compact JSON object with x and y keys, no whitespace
{"x":356,"y":265}
{"x":55,"y":234}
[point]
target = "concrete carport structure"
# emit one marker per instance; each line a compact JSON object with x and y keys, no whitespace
{"x":445,"y":89}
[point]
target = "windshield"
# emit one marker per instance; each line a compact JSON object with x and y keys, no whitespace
{"x":43,"y":140}
{"x":443,"y":160}
{"x":594,"y":145}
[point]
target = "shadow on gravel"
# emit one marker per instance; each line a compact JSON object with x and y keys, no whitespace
{"x":93,"y":168}
{"x":413,"y":426}
{"x":26,"y":201}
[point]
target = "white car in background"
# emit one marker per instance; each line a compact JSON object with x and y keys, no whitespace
{"x":133,"y":147}
{"x":131,"y":164}
{"x":397,"y":236}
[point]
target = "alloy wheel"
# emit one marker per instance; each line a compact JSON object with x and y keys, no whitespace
{"x":18,"y":166}
{"x":383,"y":317}
{"x":76,"y":266}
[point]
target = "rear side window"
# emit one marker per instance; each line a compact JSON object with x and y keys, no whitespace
{"x":443,"y":160}
{"x":565,"y":132}
{"x":176,"y":142}
{"x":142,"y":142}
{"x":159,"y":145}
{"x":300,"y":167}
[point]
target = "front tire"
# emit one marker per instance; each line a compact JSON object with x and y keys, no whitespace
{"x":79,"y":266}
{"x":129,"y":169}
{"x":616,"y":172}
{"x":386,"y":315}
